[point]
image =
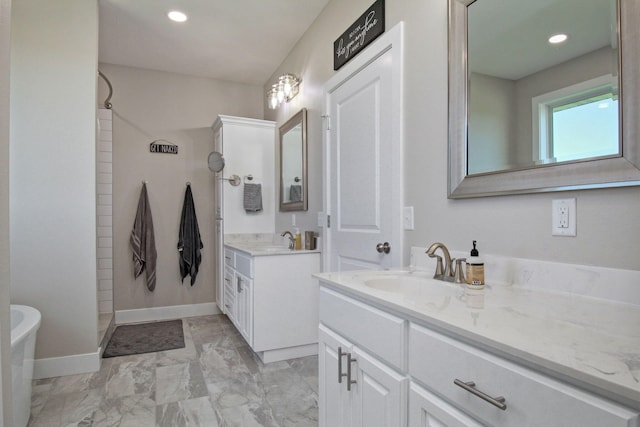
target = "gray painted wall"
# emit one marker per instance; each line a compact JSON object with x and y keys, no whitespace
{"x":5,"y":322}
{"x":53,"y":170}
{"x":148,"y":105}
{"x":509,"y":225}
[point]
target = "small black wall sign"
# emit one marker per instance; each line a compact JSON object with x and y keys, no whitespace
{"x":157,"y":147}
{"x":362,"y":32}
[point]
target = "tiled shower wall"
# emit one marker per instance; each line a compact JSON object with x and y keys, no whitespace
{"x":104,"y":212}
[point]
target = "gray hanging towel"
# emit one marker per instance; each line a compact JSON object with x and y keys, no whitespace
{"x":189,"y":242}
{"x":295,"y":193}
{"x":143,"y":241}
{"x":253,"y":197}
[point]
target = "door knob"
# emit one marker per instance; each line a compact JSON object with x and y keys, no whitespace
{"x":383,"y":247}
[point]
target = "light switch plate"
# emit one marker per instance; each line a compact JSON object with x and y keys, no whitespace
{"x":563,"y":217}
{"x":407,"y":218}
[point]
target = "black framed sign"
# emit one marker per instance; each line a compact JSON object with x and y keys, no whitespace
{"x":157,"y":146}
{"x":362,"y":32}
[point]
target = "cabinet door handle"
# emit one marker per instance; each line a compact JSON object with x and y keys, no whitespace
{"x":239,"y":284}
{"x":350,"y":360}
{"x":340,"y":355}
{"x":470,"y":386}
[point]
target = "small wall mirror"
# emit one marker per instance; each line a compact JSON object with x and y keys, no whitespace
{"x":293,"y":163}
{"x":528,"y":115}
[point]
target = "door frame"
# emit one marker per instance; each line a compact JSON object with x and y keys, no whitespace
{"x":392,"y":39}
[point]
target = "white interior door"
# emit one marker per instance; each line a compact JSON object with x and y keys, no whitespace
{"x":363,"y":158}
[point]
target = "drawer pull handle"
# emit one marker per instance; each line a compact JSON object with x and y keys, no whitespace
{"x":340,"y":374}
{"x":350,"y":360}
{"x":470,"y":386}
{"x":228,"y":257}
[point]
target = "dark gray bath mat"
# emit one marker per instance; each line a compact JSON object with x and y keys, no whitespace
{"x":145,"y":338}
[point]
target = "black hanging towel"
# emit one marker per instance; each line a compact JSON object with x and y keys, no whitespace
{"x":189,"y":242}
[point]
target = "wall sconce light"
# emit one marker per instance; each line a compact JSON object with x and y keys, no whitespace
{"x":284,"y":91}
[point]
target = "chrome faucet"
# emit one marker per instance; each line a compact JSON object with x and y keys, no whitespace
{"x":449,"y":272}
{"x":292,"y":240}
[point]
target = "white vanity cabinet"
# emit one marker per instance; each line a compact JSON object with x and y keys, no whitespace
{"x":238,"y":292}
{"x":404,"y":373}
{"x":357,"y":388}
{"x":273,"y":301}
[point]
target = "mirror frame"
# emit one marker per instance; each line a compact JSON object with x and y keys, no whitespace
{"x":299,"y":118}
{"x":594,"y":173}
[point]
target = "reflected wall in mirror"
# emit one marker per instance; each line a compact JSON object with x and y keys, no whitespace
{"x":293,"y":163}
{"x":526,"y":115}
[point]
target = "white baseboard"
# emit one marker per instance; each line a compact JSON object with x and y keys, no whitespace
{"x":90,"y":362}
{"x":279,"y":354}
{"x":66,"y":365}
{"x":166,"y":313}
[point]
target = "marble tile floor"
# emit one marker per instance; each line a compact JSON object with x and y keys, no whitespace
{"x":216,"y":380}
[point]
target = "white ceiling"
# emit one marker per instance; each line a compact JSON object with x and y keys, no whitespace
{"x":235,"y":40}
{"x":508,"y":38}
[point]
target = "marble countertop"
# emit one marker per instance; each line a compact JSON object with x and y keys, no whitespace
{"x":258,"y":248}
{"x":593,"y":341}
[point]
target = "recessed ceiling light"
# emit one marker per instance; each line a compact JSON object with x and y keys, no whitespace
{"x":177,"y":16}
{"x":557,"y":38}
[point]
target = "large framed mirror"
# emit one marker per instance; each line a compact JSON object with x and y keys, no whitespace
{"x":293,"y":163}
{"x":527,"y":115}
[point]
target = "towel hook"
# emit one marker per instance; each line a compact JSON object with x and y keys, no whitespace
{"x":249,"y":177}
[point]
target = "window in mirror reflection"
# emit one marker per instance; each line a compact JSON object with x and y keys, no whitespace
{"x":531,"y":103}
{"x":578,"y":122}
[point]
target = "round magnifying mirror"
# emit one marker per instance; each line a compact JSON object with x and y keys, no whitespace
{"x":216,"y":161}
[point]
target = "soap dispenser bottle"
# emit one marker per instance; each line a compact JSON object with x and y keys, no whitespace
{"x":298,"y":239}
{"x":475,"y":269}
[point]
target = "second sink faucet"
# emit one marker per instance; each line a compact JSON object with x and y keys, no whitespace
{"x":292,"y":240}
{"x":448,"y":272}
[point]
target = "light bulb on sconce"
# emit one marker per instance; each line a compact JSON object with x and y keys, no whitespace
{"x":272,"y":97}
{"x":283,"y":91}
{"x":280,"y":93}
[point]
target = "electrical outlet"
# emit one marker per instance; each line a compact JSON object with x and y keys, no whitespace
{"x":563,"y":217}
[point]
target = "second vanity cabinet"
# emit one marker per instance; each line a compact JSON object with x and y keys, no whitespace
{"x":238,"y":292}
{"x":272,"y":300}
{"x":381,"y":367}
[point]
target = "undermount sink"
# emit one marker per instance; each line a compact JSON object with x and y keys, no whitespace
{"x":270,"y":248}
{"x":274,"y":248}
{"x":395,"y":283}
{"x":409,"y":283}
